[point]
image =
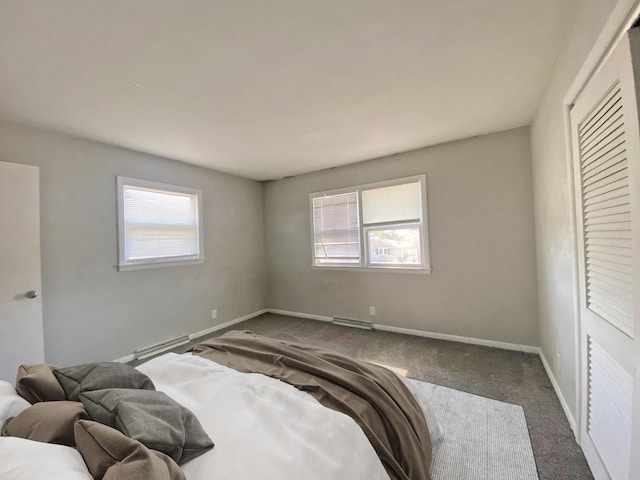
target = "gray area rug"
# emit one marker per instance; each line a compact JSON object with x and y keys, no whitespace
{"x":483,"y":439}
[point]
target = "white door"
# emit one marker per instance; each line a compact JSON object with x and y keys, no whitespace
{"x":21,"y":331}
{"x":606,"y":145}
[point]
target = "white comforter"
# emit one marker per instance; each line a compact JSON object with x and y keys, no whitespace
{"x":263,"y":428}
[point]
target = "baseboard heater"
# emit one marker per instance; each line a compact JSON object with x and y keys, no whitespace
{"x":147,"y":352}
{"x":352,"y":322}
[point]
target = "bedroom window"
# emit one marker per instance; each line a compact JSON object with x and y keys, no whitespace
{"x":380,"y":226}
{"x":158,"y":224}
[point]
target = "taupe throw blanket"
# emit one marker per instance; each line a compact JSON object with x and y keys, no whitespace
{"x":373,"y":396}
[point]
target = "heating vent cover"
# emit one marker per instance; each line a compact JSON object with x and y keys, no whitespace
{"x":352,"y":322}
{"x":604,"y":177}
{"x":609,"y":409}
{"x":151,"y":350}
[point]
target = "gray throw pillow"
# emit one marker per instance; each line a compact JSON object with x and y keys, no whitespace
{"x":152,"y":418}
{"x":98,"y":376}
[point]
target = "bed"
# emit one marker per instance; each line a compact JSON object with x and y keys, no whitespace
{"x":274,"y":410}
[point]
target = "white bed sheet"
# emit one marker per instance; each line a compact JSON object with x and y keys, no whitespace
{"x":22,"y":459}
{"x":11,"y":404}
{"x":263,"y":428}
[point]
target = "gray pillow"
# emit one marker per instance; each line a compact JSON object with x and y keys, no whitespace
{"x":152,"y":418}
{"x":97,"y":376}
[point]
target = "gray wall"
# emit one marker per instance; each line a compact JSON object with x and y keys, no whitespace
{"x":92,"y":311}
{"x":481,"y":232}
{"x":554,"y":216}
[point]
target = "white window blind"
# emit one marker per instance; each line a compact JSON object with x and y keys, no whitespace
{"x":336,"y":230}
{"x":398,"y":203}
{"x":158,"y":223}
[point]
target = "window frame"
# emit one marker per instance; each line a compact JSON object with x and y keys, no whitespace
{"x":123,"y":264}
{"x":365,"y":265}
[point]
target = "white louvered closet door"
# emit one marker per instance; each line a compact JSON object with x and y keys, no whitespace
{"x":606,"y":146}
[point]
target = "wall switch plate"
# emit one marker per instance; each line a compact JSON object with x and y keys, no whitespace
{"x":372,"y":311}
{"x":214,"y":314}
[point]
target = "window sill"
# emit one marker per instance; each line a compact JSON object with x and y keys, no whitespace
{"x":416,"y":270}
{"x":158,"y":264}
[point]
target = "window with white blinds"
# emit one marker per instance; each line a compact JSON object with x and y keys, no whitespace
{"x":335,"y":229}
{"x":398,"y":203}
{"x":158,"y":224}
{"x":373,"y":226}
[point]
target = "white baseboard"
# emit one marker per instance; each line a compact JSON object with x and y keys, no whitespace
{"x":207,"y":331}
{"x":310,"y":316}
{"x":456,"y":338}
{"x":556,"y":387}
{"x":421,"y":333}
{"x":201,"y":333}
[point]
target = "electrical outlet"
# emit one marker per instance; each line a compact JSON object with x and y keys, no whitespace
{"x":372,"y":311}
{"x":214,"y":314}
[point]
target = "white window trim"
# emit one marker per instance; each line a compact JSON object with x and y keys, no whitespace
{"x":364,"y":265}
{"x":123,"y":265}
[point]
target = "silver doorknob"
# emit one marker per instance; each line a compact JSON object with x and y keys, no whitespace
{"x":31,"y":294}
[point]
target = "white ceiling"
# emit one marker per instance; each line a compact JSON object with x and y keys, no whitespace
{"x":266,"y":89}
